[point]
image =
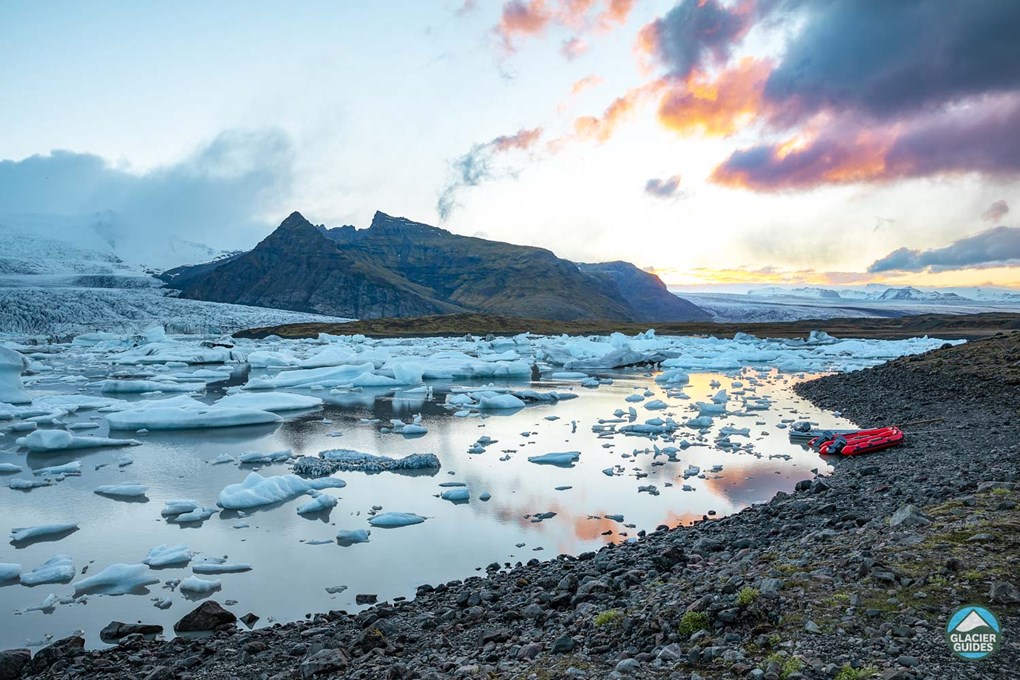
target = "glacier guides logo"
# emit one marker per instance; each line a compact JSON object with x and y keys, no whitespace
{"x":973,"y":632}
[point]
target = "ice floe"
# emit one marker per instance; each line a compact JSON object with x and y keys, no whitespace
{"x":117,"y":579}
{"x":392,"y":520}
{"x":177,"y":418}
{"x":44,"y":441}
{"x":257,"y":491}
{"x":168,"y":556}
{"x":24,"y":534}
{"x":57,"y":569}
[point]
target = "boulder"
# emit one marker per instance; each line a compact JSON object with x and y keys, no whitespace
{"x":115,"y":630}
{"x":208,"y":616}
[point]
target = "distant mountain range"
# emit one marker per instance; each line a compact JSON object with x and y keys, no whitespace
{"x":398,"y":267}
{"x":880,"y":293}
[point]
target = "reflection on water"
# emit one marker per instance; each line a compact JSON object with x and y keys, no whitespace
{"x":295,"y":558}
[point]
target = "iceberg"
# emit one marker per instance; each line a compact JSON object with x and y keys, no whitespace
{"x":458,"y":495}
{"x":122,"y":490}
{"x":256,"y":491}
{"x":198,"y":587}
{"x":208,"y":568}
{"x":500,"y":402}
{"x":352,"y":536}
{"x":73,"y":468}
{"x":392,"y":520}
{"x":332,"y":376}
{"x":271,"y":401}
{"x":176,"y":418}
{"x":44,"y":441}
{"x":168,"y":556}
{"x":346,"y":460}
{"x":565,"y":459}
{"x":11,"y":366}
{"x":179,"y":506}
{"x":260,"y":458}
{"x":320,"y":501}
{"x":117,"y":579}
{"x":9,"y":571}
{"x":23,"y":534}
{"x":57,"y":569}
{"x":139,"y":386}
{"x":9,"y":469}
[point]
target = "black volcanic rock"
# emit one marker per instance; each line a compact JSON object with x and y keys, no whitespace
{"x":397,"y":267}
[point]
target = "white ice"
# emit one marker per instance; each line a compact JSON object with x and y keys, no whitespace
{"x":117,"y":579}
{"x":171,"y":418}
{"x":271,"y":401}
{"x":122,"y":490}
{"x":199,"y":586}
{"x":11,"y":366}
{"x":256,"y":491}
{"x":392,"y":520}
{"x":320,"y":501}
{"x":564,"y":459}
{"x":168,"y":556}
{"x":350,"y":536}
{"x":57,"y":569}
{"x":23,"y":534}
{"x":42,"y":441}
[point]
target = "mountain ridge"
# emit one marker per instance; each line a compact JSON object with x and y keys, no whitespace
{"x":398,"y":267}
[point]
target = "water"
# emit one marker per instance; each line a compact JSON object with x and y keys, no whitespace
{"x":290,"y":575}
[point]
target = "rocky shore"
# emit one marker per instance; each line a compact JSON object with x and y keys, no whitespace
{"x":852,"y":576}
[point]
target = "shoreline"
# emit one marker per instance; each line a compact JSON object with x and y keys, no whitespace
{"x":799,"y":586}
{"x":947,"y":326}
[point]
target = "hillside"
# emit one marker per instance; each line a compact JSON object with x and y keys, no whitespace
{"x":400,"y":268}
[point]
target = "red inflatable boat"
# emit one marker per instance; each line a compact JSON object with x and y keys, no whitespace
{"x":854,"y":443}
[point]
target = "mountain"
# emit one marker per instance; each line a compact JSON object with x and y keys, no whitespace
{"x":398,"y":267}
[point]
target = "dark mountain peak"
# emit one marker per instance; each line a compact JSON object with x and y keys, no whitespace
{"x":381,"y":222}
{"x":295,"y":219}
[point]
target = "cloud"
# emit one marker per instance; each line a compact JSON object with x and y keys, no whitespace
{"x":996,"y":211}
{"x":696,"y":34}
{"x":573,"y":48}
{"x":529,"y":18}
{"x":479,"y":165}
{"x":218,"y":194}
{"x":977,"y":137}
{"x":996,"y":247}
{"x":718,"y":106}
{"x":601,"y":128}
{"x":887,"y":59}
{"x":585,"y":83}
{"x":664,"y":188}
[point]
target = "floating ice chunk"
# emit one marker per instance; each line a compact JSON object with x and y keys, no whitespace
{"x":117,"y":579}
{"x":656,"y":405}
{"x":122,"y":490}
{"x":125,"y":460}
{"x":27,"y":484}
{"x":43,"y":441}
{"x":407,"y":373}
{"x":171,"y":418}
{"x":168,"y":556}
{"x":699,"y":423}
{"x":484,"y":496}
{"x":179,"y":506}
{"x":331,"y":376}
{"x":197,"y":587}
{"x":674,"y":376}
{"x":500,"y":402}
{"x":569,"y":375}
{"x":139,"y":386}
{"x":208,"y":568}
{"x":256,"y":490}
{"x":57,"y":569}
{"x":413,"y":429}
{"x":11,"y":366}
{"x":73,"y":468}
{"x":9,"y":571}
{"x":634,"y":398}
{"x":458,"y":495}
{"x":9,"y":468}
{"x":222,"y":459}
{"x":392,"y":520}
{"x":260,"y":458}
{"x":565,"y":459}
{"x":320,"y":501}
{"x":48,"y":604}
{"x":692,"y":471}
{"x":199,"y":514}
{"x":352,"y":536}
{"x":23,"y":534}
{"x":271,"y":401}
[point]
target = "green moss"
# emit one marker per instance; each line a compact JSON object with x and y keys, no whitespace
{"x":848,"y":672}
{"x":692,"y":622}
{"x":747,"y":596}
{"x":607,"y":617}
{"x":788,"y":665}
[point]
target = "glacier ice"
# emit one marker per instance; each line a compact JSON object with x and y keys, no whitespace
{"x":256,"y":491}
{"x":564,"y":459}
{"x":168,"y":556}
{"x":42,"y":441}
{"x":270,"y":401}
{"x":198,"y":587}
{"x":57,"y":569}
{"x":177,"y":418}
{"x":117,"y":579}
{"x":352,"y":536}
{"x":392,"y":520}
{"x":122,"y":490}
{"x":11,"y":366}
{"x":22,"y":534}
{"x":319,"y":502}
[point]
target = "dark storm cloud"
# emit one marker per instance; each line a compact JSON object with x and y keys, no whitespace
{"x":695,"y":33}
{"x":995,"y":212}
{"x":216,"y":192}
{"x":999,"y":246}
{"x":894,"y":58}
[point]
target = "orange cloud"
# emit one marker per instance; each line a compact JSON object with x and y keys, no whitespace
{"x":717,"y":107}
{"x":584,"y":84}
{"x":531,"y":17}
{"x":522,"y":140}
{"x":573,"y":48}
{"x":601,"y":128}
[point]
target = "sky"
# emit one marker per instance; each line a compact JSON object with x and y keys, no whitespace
{"x":714,"y":142}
